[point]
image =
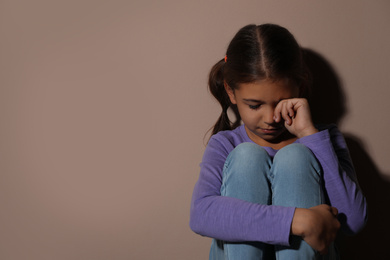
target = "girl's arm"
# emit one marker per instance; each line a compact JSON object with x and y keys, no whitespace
{"x":341,"y":184}
{"x":232,"y":219}
{"x":331,"y":150}
{"x":235,"y":220}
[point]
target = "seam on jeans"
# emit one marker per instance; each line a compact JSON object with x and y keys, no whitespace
{"x":225,"y":251}
{"x":223,"y":186}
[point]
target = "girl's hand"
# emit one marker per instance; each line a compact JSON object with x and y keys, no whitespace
{"x":318,"y":226}
{"x":296,"y":115}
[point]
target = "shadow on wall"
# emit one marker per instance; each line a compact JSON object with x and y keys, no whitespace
{"x":327,"y":102}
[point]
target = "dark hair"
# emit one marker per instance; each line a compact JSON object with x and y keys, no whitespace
{"x":266,"y":51}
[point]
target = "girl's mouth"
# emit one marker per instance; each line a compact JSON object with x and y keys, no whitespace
{"x":269,"y":130}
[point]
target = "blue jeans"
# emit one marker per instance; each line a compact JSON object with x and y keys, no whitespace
{"x":291,"y":179}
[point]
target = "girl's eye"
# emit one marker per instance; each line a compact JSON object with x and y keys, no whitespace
{"x":254,"y":107}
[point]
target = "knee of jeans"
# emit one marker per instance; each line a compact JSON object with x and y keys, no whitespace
{"x":248,"y":162}
{"x":247,"y":156}
{"x":296,"y":156}
{"x":248,"y":153}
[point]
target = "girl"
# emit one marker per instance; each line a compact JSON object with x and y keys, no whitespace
{"x":277,"y":185}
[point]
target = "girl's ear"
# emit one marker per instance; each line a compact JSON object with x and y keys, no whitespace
{"x":230,"y":93}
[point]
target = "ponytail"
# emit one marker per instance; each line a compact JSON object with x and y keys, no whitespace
{"x":217,"y":89}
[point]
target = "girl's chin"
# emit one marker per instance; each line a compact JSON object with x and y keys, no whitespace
{"x":275,"y":136}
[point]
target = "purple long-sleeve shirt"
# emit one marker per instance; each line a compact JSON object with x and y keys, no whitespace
{"x":231,"y":219}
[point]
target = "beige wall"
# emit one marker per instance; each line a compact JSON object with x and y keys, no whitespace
{"x":104,"y":107}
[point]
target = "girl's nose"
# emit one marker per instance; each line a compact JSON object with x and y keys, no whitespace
{"x":269,"y":116}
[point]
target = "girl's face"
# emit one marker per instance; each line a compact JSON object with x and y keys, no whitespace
{"x":256,"y":103}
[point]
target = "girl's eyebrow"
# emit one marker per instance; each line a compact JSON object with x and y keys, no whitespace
{"x":258,"y":101}
{"x":253,"y":100}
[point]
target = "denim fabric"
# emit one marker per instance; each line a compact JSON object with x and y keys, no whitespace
{"x":291,"y":179}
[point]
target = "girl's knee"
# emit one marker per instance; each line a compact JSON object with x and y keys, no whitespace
{"x":294,"y":153}
{"x":247,"y":158}
{"x":296,"y":177}
{"x":294,"y":150}
{"x":295,"y":157}
{"x":245,"y":174}
{"x":248,"y":152}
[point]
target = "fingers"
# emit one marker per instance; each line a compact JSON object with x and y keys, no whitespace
{"x":285,"y":110}
{"x":325,"y":228}
{"x":332,"y":235}
{"x":334,"y":211}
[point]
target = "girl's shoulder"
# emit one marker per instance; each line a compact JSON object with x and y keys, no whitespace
{"x":335,"y":136}
{"x":227,"y":140}
{"x":332,"y":129}
{"x":234,"y":137}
